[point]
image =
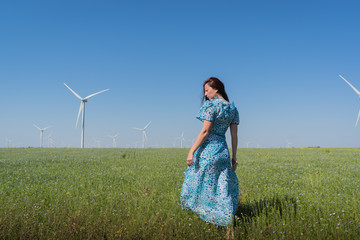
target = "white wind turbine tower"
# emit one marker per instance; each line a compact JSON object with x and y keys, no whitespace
{"x":247,"y":144}
{"x":82,"y":108}
{"x":96,"y":143}
{"x":288,"y":144}
{"x":50,"y":140}
{"x":8,"y":141}
{"x":143,"y":133}
{"x":114,"y":140}
{"x":41,"y":134}
{"x":357,"y":92}
{"x":181,"y":138}
{"x":191,"y":142}
{"x":136,"y":144}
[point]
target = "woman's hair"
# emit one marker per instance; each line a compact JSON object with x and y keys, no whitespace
{"x":216,"y":84}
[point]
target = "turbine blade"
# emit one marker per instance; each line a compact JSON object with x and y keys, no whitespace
{"x":357,"y":119}
{"x":37,"y":127}
{"x":138,"y":129}
{"x":47,"y":127}
{"x":73,"y":92}
{"x":80,"y":109}
{"x":358,"y":93}
{"x":96,"y":93}
{"x":147,"y":125}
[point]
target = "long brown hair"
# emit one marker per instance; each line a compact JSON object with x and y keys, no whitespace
{"x":215,"y":83}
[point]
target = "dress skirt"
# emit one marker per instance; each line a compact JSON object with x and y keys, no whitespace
{"x":211,"y":187}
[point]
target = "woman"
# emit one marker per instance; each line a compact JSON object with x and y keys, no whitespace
{"x":211,"y":186}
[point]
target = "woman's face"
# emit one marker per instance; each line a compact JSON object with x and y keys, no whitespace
{"x":209,"y":92}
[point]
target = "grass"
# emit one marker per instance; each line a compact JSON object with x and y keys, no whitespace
{"x":134,"y":194}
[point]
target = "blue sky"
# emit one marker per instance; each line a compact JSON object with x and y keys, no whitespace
{"x":279,"y":61}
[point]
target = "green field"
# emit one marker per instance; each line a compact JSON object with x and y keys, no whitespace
{"x":134,"y":194}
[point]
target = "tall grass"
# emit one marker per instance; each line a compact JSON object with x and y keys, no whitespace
{"x":134,"y":194}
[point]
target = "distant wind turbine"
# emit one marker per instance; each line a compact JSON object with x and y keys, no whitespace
{"x":114,"y":140}
{"x":136,"y":144}
{"x":143,"y":133}
{"x":82,"y":108}
{"x":41,"y":134}
{"x":288,"y":144}
{"x":50,"y":140}
{"x":357,"y":92}
{"x":181,"y":138}
{"x":191,"y":142}
{"x":96,"y":143}
{"x":8,"y":141}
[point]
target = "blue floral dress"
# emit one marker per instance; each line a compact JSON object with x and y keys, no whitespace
{"x":211,"y":187}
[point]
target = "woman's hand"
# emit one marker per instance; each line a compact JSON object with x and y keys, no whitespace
{"x":234,"y":163}
{"x":189,"y":160}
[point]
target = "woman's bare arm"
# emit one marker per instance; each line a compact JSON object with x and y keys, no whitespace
{"x":234,"y":143}
{"x":199,"y":140}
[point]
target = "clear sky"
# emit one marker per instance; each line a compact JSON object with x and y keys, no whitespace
{"x":279,"y":61}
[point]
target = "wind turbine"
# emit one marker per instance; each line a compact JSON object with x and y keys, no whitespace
{"x":288,"y":144}
{"x":181,"y":138}
{"x":50,"y":140}
{"x":357,"y":92}
{"x":41,"y":134}
{"x":191,"y":142}
{"x":114,"y":139}
{"x":96,"y":143}
{"x":136,"y":144}
{"x":143,"y":133}
{"x":82,"y":108}
{"x":8,"y":141}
